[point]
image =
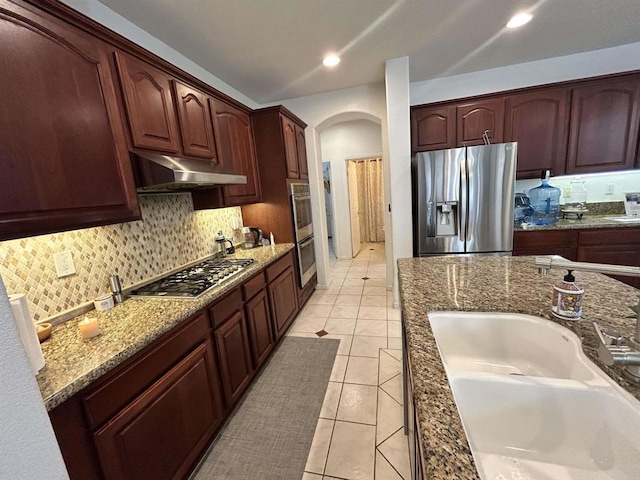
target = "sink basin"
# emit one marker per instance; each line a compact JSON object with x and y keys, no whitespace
{"x":524,"y":430}
{"x":509,"y":343}
{"x":532,"y":405}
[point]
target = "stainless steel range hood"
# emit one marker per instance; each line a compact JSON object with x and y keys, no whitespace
{"x":162,"y":173}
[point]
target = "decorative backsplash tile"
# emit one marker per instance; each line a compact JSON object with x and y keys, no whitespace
{"x":169,"y":235}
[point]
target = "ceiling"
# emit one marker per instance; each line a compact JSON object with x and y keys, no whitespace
{"x":272,"y":50}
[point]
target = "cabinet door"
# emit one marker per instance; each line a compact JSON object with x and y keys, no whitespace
{"x":604,"y":126}
{"x":259,"y":320}
{"x":290,"y":147}
{"x":301,"y":149}
{"x":234,"y":135}
{"x":539,"y":122}
{"x":546,"y":242}
{"x":63,"y":150}
{"x":472,"y":119}
{"x":283,"y":299}
{"x":614,"y":246}
{"x":148,"y":104}
{"x":195,"y":122}
{"x":433,"y":128}
{"x":234,"y":353}
{"x":161,"y":434}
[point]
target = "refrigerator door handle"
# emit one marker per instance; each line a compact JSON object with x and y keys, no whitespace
{"x":431,"y":219}
{"x":463,"y":213}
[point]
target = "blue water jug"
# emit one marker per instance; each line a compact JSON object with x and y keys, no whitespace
{"x":545,"y":201}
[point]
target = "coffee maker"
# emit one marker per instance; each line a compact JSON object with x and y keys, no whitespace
{"x":252,"y":237}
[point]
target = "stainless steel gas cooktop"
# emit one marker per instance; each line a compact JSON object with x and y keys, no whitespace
{"x":195,"y":280}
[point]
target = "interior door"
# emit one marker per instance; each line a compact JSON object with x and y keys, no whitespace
{"x":354,"y":207}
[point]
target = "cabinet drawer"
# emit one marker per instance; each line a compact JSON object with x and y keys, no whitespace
{"x":253,"y":286}
{"x":278,"y":267}
{"x":225,"y":308}
{"x":545,"y":238}
{"x":160,"y":434}
{"x":138,"y":374}
{"x":617,"y":236}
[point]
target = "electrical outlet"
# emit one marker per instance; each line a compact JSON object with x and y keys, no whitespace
{"x":64,"y":264}
{"x":610,"y":188}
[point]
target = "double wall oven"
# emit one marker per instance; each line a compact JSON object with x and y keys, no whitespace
{"x":303,"y":223}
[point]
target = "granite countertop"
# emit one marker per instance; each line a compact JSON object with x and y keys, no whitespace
{"x":499,"y":284}
{"x":585,"y":222}
{"x":73,"y":363}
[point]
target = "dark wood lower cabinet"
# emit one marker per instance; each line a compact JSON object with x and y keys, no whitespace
{"x":163,"y":431}
{"x":546,"y":242}
{"x":260,"y":332}
{"x":232,"y":343}
{"x":153,"y":416}
{"x":284,"y":301}
{"x":616,"y":246}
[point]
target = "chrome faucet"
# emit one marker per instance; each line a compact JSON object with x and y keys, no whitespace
{"x":613,"y":349}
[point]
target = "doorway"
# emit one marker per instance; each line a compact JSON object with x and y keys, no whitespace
{"x":328,"y":202}
{"x":366,"y":201}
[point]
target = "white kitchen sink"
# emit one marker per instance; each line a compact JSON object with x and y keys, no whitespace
{"x":523,"y":429}
{"x":532,"y":405}
{"x":509,"y":343}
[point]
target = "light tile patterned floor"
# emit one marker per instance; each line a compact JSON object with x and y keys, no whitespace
{"x":360,"y":433}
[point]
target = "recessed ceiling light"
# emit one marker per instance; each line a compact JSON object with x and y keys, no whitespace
{"x":331,"y":60}
{"x":519,"y":20}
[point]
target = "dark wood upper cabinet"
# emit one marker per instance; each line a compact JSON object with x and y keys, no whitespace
{"x":604,"y":126}
{"x":148,"y":104}
{"x":290,"y":147}
{"x":301,"y":149}
{"x":539,"y":122}
{"x":434,"y":128}
{"x":234,"y":135}
{"x":281,"y":156}
{"x":195,"y":122}
{"x":474,"y":118}
{"x":582,"y":126}
{"x":63,"y":146}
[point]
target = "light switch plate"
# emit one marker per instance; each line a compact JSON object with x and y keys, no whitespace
{"x":63,"y":262}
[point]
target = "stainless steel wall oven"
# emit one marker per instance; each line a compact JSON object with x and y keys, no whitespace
{"x":303,"y":222}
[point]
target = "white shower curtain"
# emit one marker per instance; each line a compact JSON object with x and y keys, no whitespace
{"x":371,"y":199}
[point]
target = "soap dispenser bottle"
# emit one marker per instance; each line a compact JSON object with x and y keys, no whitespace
{"x":567,"y":299}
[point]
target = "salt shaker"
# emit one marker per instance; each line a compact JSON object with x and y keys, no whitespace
{"x":116,"y":288}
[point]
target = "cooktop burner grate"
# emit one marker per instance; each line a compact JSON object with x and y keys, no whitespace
{"x":195,"y":280}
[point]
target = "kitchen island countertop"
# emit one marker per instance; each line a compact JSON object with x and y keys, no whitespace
{"x":73,"y":363}
{"x":489,"y":284}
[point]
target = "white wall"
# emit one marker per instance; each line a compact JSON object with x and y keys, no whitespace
{"x":347,"y":140}
{"x":110,"y":19}
{"x":597,"y":185}
{"x":28,"y":447}
{"x":320,"y":112}
{"x":399,"y":137}
{"x":558,"y":69}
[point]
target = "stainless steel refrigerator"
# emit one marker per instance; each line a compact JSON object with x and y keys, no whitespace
{"x":463,"y":200}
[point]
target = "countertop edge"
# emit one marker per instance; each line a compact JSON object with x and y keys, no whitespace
{"x":56,"y":391}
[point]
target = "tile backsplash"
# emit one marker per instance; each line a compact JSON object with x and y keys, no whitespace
{"x":169,"y":235}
